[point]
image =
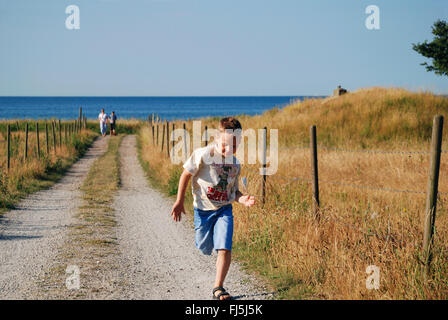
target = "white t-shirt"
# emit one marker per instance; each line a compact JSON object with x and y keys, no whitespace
{"x":214,"y":183}
{"x":102,"y":117}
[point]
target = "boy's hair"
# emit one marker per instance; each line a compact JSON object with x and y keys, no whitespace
{"x":229,"y":123}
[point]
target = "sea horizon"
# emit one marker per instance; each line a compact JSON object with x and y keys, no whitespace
{"x":140,"y":107}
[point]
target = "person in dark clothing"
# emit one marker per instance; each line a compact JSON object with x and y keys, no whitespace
{"x":113,"y":121}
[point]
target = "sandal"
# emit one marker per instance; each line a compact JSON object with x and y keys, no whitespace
{"x":222,"y":293}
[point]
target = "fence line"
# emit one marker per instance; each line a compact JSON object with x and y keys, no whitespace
{"x":345,"y":184}
{"x":305,"y":179}
{"x":350,"y":185}
{"x":51,"y":140}
{"x":432,"y":192}
{"x":357,"y":151}
{"x":335,"y":220}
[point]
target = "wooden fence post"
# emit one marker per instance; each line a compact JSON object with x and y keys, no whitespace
{"x":26,"y":140}
{"x":54,"y":136}
{"x":46,"y":138}
{"x":79,"y":118}
{"x":432,"y":191}
{"x":37,"y":140}
{"x":314,"y":171}
{"x":8,"y":148}
{"x":65,"y":133}
{"x":172,"y":142}
{"x":206,"y":140}
{"x":185,"y":142}
{"x":152,"y":129}
{"x":60,"y":134}
{"x":163,"y":136}
{"x":167,"y":138}
{"x":18,"y":127}
{"x":263,"y":180}
{"x":157,"y":140}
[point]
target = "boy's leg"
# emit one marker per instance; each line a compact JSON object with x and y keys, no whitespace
{"x":222,"y":267}
{"x":222,"y":239}
{"x":203,"y":225}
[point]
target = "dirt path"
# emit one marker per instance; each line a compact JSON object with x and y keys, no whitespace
{"x":31,"y":234}
{"x":159,"y":258}
{"x":155,"y":259}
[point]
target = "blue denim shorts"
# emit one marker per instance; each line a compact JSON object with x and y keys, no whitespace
{"x":214,"y":229}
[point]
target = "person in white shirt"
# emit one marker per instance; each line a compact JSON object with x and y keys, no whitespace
{"x":102,"y":117}
{"x":215,"y":187}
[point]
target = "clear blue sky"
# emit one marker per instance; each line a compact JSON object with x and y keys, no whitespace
{"x":213,"y":47}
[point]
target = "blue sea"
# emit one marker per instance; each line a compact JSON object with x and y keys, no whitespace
{"x":169,"y":108}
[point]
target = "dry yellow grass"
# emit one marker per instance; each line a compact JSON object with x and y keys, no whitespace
{"x":34,"y":173}
{"x":304,"y":258}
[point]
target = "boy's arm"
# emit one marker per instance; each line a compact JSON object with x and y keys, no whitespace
{"x":238,"y":195}
{"x":248,"y":200}
{"x":178,"y":206}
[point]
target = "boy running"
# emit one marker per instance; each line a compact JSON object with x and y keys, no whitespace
{"x":214,"y":171}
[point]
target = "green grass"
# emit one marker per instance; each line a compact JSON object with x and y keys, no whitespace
{"x":128,"y":126}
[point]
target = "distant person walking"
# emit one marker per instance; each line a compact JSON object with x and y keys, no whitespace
{"x":113,"y":121}
{"x":102,"y":117}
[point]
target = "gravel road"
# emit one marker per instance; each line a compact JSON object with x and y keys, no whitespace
{"x":31,"y":233}
{"x":156,"y":257}
{"x":159,"y":255}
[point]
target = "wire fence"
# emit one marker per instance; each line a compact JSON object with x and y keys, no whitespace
{"x":291,"y":179}
{"x":338,"y":183}
{"x":352,"y":185}
{"x":24,"y":140}
{"x":357,"y":151}
{"x":328,"y":217}
{"x":338,"y":221}
{"x":155,"y":122}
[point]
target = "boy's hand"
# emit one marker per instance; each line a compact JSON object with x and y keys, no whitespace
{"x":248,"y":201}
{"x":177,"y":210}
